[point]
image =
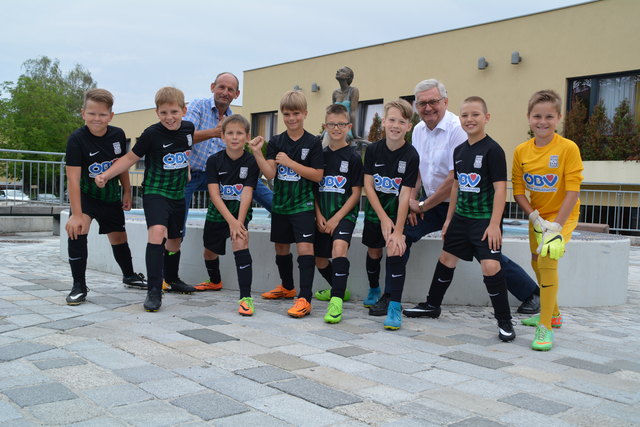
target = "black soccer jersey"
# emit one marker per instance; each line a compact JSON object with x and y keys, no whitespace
{"x":342,"y":171}
{"x":94,"y":155}
{"x":232,"y":176}
{"x":167,"y":157}
{"x":391,"y":170}
{"x":476,"y":168}
{"x":291,"y":192}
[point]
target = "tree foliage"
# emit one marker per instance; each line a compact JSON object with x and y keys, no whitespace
{"x":376,"y":133}
{"x":43,"y":106}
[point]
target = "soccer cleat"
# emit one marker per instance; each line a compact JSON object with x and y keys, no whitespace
{"x":246,"y":306}
{"x":153,"y":300}
{"x":531,"y":305}
{"x":372,"y":297}
{"x":135,"y":281}
{"x":325,"y":295}
{"x":543,"y":340}
{"x":334,"y":311}
{"x":208,"y":286}
{"x":423,"y":310}
{"x":380,"y":308}
{"x":556,"y":321}
{"x":178,"y":286}
{"x":394,"y":316}
{"x":279,"y":292}
{"x":78,"y":294}
{"x":505,"y":330}
{"x":300,"y":308}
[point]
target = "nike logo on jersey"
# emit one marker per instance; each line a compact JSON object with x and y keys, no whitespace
{"x":167,"y":145}
{"x":377,"y":165}
{"x":306,"y":235}
{"x":494,"y":252}
{"x":343,"y":232}
{"x":458,"y":161}
{"x":93,"y":154}
{"x":222,"y":172}
{"x":242,"y":267}
{"x":340,"y":274}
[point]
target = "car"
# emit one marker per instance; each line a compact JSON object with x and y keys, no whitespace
{"x":13,"y":195}
{"x":47,"y":197}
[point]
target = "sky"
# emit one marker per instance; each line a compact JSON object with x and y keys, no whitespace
{"x":133,"y":48}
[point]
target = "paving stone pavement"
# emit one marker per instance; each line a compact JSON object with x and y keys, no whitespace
{"x":197,"y":362}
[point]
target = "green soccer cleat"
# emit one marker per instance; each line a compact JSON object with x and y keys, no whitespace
{"x":556,"y":321}
{"x":543,"y":340}
{"x":325,"y":295}
{"x":334,"y":311}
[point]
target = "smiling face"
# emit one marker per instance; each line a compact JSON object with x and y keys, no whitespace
{"x":395,"y":125}
{"x":473,"y":119}
{"x":294,"y":120}
{"x":225,"y":90}
{"x":431,"y":106}
{"x":235,"y":136}
{"x":543,"y":121}
{"x":333,"y":124}
{"x":96,"y":116}
{"x":170,"y":115}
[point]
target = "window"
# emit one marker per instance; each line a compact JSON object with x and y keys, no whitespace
{"x":264,"y":124}
{"x":140,"y":163}
{"x":610,"y":89}
{"x":366,"y":111}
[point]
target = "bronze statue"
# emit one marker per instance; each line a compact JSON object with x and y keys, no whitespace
{"x":347,"y":95}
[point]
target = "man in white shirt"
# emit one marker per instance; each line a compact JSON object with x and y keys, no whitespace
{"x":435,"y":138}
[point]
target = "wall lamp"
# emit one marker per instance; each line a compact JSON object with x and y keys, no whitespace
{"x":296,"y":87}
{"x":515,"y":57}
{"x":315,"y":87}
{"x":482,"y":63}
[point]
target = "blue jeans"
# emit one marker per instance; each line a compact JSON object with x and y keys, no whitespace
{"x":261,"y":194}
{"x":519,"y":283}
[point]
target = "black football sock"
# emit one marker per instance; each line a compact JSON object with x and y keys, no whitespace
{"x":373,"y":271}
{"x":340,"y":276}
{"x":78,"y":253}
{"x":440,"y":282}
{"x":285,"y":268}
{"x":306,"y":265}
{"x":497,"y":288}
{"x":171,"y":265}
{"x":245,"y":271}
{"x":122,"y":254}
{"x":154,"y":260}
{"x":327,"y":273}
{"x":396,"y":267}
{"x":213,"y":269}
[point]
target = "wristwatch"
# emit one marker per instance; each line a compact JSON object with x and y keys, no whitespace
{"x":420,"y":205}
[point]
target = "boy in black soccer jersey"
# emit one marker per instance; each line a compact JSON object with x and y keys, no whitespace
{"x":474,"y":220}
{"x":294,"y":159}
{"x":166,"y":146}
{"x":91,"y":150}
{"x":232,"y":174}
{"x":337,"y":202}
{"x":390,"y":171}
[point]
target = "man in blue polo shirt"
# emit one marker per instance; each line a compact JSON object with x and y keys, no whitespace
{"x":207,"y":115}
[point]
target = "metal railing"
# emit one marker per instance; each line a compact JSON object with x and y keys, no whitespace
{"x":43,"y":182}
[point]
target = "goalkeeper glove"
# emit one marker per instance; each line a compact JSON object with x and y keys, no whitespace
{"x":538,"y":227}
{"x":552,"y":241}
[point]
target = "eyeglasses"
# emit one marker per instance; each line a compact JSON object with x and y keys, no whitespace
{"x":336,"y":125}
{"x":431,"y":103}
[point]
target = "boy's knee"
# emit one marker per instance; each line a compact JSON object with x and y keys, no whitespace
{"x":322,"y":262}
{"x":210,"y":255}
{"x":340,"y":248}
{"x":448,"y":260}
{"x":304,"y":248}
{"x":282,"y":248}
{"x":490,"y":267}
{"x":374,"y":253}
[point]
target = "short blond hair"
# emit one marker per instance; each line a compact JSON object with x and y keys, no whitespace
{"x":406,"y":110}
{"x":235,"y":118}
{"x":170,"y":95}
{"x":546,"y":95}
{"x":478,"y":100}
{"x":293,"y":100}
{"x":102,"y":96}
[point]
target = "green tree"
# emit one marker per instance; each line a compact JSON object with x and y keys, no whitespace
{"x":43,"y":105}
{"x":375,"y":131}
{"x":594,"y":144}
{"x":575,"y":121}
{"x":415,"y":119}
{"x":624,"y":142}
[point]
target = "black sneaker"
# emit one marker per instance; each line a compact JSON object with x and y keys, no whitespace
{"x":505,"y":330}
{"x":380,"y":308}
{"x":78,"y":294}
{"x":531,"y":305}
{"x":178,"y":286}
{"x":423,"y":310}
{"x":136,"y":281}
{"x":153,"y":300}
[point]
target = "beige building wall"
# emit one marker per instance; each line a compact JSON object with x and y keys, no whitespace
{"x":587,"y":39}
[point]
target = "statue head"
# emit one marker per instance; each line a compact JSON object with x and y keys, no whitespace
{"x":345,"y":73}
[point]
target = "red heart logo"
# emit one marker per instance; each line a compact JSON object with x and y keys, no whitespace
{"x":550,"y":177}
{"x":398,"y":181}
{"x":340,"y":179}
{"x":473,"y":176}
{"x":239,"y":187}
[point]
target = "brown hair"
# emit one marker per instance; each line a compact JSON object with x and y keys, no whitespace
{"x":337,"y":109}
{"x":479,"y":100}
{"x":235,"y":118}
{"x":406,"y":110}
{"x":293,"y":100}
{"x":546,"y":95}
{"x":170,"y":95}
{"x":102,"y":96}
